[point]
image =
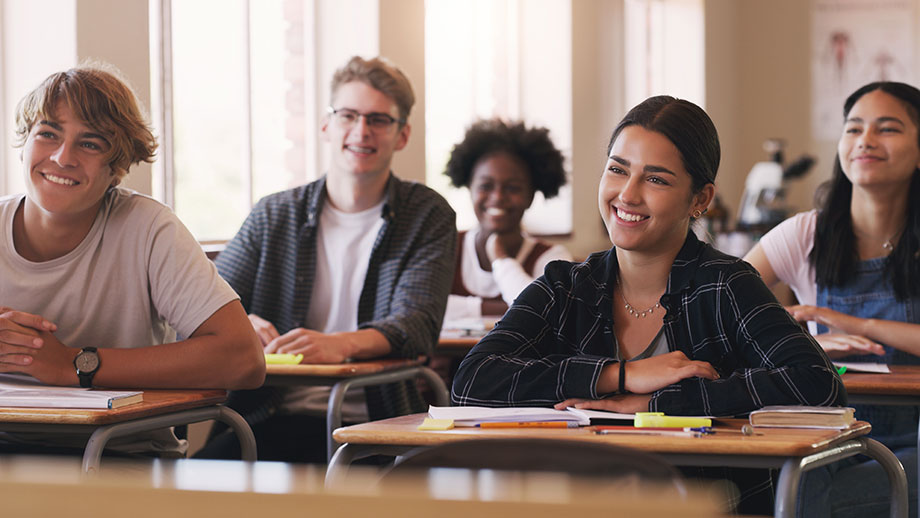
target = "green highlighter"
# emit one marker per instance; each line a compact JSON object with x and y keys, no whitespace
{"x":659,"y":420}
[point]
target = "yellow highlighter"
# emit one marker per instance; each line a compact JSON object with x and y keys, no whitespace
{"x":659,"y":420}
{"x":282,"y":359}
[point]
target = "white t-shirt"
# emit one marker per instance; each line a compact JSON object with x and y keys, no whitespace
{"x":344,"y":243}
{"x":137,"y":276}
{"x":507,"y":278}
{"x":787,"y":247}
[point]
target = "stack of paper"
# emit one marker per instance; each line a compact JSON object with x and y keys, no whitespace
{"x":476,"y":415}
{"x":25,"y":391}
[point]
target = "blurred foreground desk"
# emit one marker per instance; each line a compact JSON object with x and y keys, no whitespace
{"x":794,"y":451}
{"x":343,"y":376}
{"x":33,"y":487}
{"x":160,"y":409}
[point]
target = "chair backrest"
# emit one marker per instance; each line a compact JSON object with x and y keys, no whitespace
{"x":579,"y":458}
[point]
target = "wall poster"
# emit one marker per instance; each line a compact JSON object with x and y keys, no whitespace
{"x":855,"y":42}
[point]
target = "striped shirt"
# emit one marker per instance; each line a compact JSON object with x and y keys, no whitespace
{"x":553,"y":342}
{"x":271,"y":263}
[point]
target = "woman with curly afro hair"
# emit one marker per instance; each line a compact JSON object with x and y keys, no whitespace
{"x":503,"y":165}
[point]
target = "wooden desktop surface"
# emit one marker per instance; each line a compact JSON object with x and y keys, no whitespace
{"x":457,"y":343}
{"x":904,"y":380}
{"x":403,"y":431}
{"x":341,"y":370}
{"x":155,"y":402}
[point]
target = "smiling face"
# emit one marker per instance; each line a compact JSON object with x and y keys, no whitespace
{"x":501,"y":190}
{"x":64,"y":162}
{"x":879,"y":146}
{"x":645,"y":195}
{"x":359,"y":150}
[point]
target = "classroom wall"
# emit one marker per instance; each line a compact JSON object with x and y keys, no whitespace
{"x":758,"y":85}
{"x":118,"y":32}
{"x":758,"y":81}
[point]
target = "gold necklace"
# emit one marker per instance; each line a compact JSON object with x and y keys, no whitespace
{"x":631,"y":310}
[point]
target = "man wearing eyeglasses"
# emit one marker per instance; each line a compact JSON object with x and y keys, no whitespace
{"x":355,"y":265}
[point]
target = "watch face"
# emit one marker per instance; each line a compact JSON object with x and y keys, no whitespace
{"x":86,"y":361}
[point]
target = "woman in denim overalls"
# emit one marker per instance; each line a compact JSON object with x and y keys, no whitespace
{"x":855,"y":266}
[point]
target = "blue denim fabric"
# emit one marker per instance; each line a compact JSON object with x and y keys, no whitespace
{"x":859,"y":487}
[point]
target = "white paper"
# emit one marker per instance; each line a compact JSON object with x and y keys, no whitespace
{"x":474,"y":415}
{"x":864,"y":367}
{"x":25,"y":391}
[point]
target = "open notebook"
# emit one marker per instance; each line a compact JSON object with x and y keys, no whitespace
{"x":17,"y":390}
{"x":475,"y":415}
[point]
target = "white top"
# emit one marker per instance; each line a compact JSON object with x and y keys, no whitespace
{"x":137,"y":276}
{"x":507,"y":278}
{"x":344,"y":243}
{"x":787,"y":247}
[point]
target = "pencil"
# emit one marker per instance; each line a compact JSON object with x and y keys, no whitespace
{"x":530,"y":424}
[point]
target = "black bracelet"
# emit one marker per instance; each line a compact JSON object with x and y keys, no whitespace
{"x":621,"y":389}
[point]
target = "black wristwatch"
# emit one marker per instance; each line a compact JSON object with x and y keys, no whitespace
{"x":87,"y":363}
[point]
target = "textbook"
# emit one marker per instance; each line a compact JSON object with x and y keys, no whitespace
{"x":477,"y":415}
{"x":25,"y":391}
{"x":836,"y":418}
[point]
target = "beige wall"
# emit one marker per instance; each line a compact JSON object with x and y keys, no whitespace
{"x":758,"y":82}
{"x":116,"y":31}
{"x":758,"y":85}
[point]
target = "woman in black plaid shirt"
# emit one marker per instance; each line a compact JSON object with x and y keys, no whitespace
{"x":661,"y":321}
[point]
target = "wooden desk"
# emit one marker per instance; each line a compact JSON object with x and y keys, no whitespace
{"x":32,"y":487}
{"x":900,"y":387}
{"x":456,"y":346}
{"x":793,"y":450}
{"x":343,"y":376}
{"x":160,"y":409}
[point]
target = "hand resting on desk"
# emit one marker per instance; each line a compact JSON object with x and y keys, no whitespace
{"x":625,"y":404}
{"x":316,"y":347}
{"x":27,"y":346}
{"x":846,"y":336}
{"x":651,"y":374}
{"x":642,"y":378}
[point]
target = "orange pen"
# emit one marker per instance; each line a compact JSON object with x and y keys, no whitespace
{"x":530,"y":424}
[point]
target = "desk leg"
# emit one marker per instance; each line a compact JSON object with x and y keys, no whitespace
{"x":243,"y":432}
{"x":790,"y":475}
{"x":338,"y":465}
{"x":337,"y":395}
{"x":92,"y":454}
{"x":346,"y":454}
{"x":897,"y":479}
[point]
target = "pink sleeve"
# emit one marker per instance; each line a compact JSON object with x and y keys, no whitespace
{"x":787,"y":247}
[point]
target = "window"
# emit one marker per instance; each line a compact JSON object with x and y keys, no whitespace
{"x":240,"y":88}
{"x":665,"y":50}
{"x":492,"y":58}
{"x":226,"y":140}
{"x":20,"y":71}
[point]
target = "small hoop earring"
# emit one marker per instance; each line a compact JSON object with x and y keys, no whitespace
{"x":697,"y":214}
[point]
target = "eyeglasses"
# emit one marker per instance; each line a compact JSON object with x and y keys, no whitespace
{"x":376,"y":121}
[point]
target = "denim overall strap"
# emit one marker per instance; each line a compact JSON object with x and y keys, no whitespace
{"x":868,"y":294}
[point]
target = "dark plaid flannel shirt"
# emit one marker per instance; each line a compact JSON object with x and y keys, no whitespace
{"x":271,"y":263}
{"x":553,"y":342}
